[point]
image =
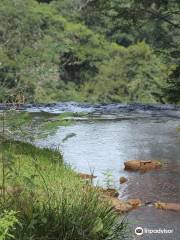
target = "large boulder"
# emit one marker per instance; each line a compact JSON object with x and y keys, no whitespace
{"x":143,"y":165}
{"x":168,"y":206}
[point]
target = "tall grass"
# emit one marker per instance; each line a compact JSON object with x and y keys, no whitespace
{"x":52,"y":202}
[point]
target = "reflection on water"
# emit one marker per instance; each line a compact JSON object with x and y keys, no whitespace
{"x":106,"y":145}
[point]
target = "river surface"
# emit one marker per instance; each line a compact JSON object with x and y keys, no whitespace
{"x":108,"y":135}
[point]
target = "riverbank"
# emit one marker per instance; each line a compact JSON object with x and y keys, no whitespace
{"x":100,"y":140}
{"x":49,"y":199}
{"x":103,"y":146}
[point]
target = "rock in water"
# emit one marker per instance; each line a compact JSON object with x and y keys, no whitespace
{"x":134,"y":202}
{"x":119,"y":206}
{"x":168,"y":206}
{"x":111,"y":192}
{"x":144,"y":165}
{"x":86,"y":176}
{"x":123,"y":180}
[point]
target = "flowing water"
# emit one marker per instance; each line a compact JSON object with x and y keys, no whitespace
{"x":112,"y":134}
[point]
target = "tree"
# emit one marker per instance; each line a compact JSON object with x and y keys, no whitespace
{"x":53,"y":50}
{"x":134,"y":74}
{"x":128,"y":21}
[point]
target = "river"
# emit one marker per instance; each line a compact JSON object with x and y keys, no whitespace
{"x":112,"y":134}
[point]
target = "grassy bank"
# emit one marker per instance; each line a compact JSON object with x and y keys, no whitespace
{"x":49,"y":200}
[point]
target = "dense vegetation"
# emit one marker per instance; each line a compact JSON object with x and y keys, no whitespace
{"x":90,"y":50}
{"x":45,"y":199}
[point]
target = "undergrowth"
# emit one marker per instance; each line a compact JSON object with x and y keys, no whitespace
{"x":51,"y":202}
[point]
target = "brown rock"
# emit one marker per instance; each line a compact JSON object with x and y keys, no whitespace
{"x":86,"y":176}
{"x":134,"y":202}
{"x":123,"y":180}
{"x":143,"y":165}
{"x":168,"y":206}
{"x":111,"y":192}
{"x":119,"y":206}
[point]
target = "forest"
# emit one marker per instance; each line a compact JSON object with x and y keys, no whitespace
{"x":90,"y":51}
{"x":89,"y":100}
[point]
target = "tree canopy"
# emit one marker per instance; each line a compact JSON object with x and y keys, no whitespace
{"x":90,"y":50}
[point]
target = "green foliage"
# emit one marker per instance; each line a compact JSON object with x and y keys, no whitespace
{"x":128,"y":22}
{"x":122,"y":79}
{"x":7,"y":222}
{"x":34,"y":61}
{"x":53,"y":202}
{"x":56,"y":50}
{"x":178,"y":128}
{"x":108,"y":179}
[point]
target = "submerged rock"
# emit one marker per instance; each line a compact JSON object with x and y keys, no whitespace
{"x":86,"y":176}
{"x":123,"y":180}
{"x":119,"y":206}
{"x":111,"y":192}
{"x":144,"y":165}
{"x":168,"y":206}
